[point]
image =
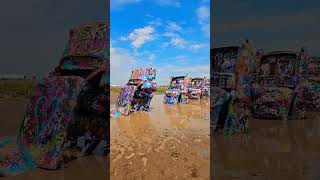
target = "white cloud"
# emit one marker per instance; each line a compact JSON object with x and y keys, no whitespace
{"x":203,"y":14}
{"x":118,"y":3}
{"x":120,"y":57}
{"x":197,"y":46}
{"x":151,"y":57}
{"x":140,"y":36}
{"x":175,"y":40}
{"x":172,"y":26}
{"x":193,"y":68}
{"x":155,"y":22}
{"x":174,"y":3}
{"x":178,"y":42}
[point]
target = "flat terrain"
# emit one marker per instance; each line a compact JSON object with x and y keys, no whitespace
{"x":11,"y":116}
{"x":273,"y":150}
{"x":169,"y":142}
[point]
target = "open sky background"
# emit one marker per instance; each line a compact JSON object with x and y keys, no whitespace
{"x":170,"y":35}
{"x":271,"y":24}
{"x":34,"y":33}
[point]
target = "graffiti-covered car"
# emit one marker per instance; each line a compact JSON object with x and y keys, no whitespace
{"x":196,"y":88}
{"x":50,"y":126}
{"x":177,"y":91}
{"x":311,"y":75}
{"x":206,"y":88}
{"x":138,"y":92}
{"x":229,"y":92}
{"x":275,"y":89}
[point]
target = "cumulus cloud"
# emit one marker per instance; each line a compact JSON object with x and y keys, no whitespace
{"x":197,"y":46}
{"x":203,"y":14}
{"x":172,"y":26}
{"x":151,"y":57}
{"x":174,"y":3}
{"x":199,"y":68}
{"x":120,"y":57}
{"x":140,"y":36}
{"x":177,"y":41}
{"x":118,"y":3}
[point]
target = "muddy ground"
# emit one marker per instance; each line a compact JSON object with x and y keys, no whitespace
{"x":11,"y":116}
{"x":169,"y":142}
{"x":172,"y":142}
{"x":272,"y":150}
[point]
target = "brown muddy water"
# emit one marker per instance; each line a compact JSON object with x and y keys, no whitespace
{"x":169,"y":142}
{"x":90,"y":167}
{"x":272,"y":150}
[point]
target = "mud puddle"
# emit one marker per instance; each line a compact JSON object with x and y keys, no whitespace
{"x":169,"y":142}
{"x":273,"y":149}
{"x":11,"y":115}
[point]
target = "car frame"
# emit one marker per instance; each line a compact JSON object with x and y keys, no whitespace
{"x":277,"y":86}
{"x":177,"y":93}
{"x":52,"y":124}
{"x":229,"y":91}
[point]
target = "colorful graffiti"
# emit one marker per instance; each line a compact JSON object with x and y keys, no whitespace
{"x":310,"y":69}
{"x":88,"y":39}
{"x":144,"y":74}
{"x":196,"y":88}
{"x":230,"y":79}
{"x":177,"y":91}
{"x":274,"y":92}
{"x":51,"y":125}
{"x":137,"y":93}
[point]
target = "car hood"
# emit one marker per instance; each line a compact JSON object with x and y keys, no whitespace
{"x":272,"y":95}
{"x":172,"y":92}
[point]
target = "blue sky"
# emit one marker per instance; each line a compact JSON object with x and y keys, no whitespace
{"x":170,"y":35}
{"x":271,"y":24}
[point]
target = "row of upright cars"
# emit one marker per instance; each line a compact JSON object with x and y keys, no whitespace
{"x":182,"y":88}
{"x":266,"y":85}
{"x":138,"y":92}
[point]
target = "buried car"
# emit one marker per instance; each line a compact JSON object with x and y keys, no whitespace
{"x":196,"y":88}
{"x":311,"y":75}
{"x":177,"y":91}
{"x":206,"y":88}
{"x":50,"y":126}
{"x":138,"y":92}
{"x":276,"y":89}
{"x":229,"y":91}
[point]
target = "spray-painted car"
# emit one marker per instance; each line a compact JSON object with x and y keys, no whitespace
{"x":206,"y":88}
{"x":196,"y":88}
{"x":138,"y":92}
{"x":276,"y":88}
{"x":177,"y":91}
{"x":49,"y":126}
{"x":311,"y":75}
{"x":229,"y":90}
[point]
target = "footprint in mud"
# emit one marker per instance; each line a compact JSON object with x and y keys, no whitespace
{"x":175,"y":155}
{"x":144,"y":160}
{"x":195,"y":172}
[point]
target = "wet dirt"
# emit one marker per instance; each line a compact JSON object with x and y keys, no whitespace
{"x":272,"y":150}
{"x":11,"y":115}
{"x":169,"y":142}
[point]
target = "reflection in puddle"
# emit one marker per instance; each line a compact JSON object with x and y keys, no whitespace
{"x":273,"y":149}
{"x":169,"y":141}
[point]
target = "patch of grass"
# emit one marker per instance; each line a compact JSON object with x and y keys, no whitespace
{"x":161,"y":89}
{"x":17,"y":88}
{"x":115,"y":89}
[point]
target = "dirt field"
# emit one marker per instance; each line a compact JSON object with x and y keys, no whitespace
{"x":273,"y":150}
{"x":11,"y":116}
{"x":169,"y":142}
